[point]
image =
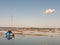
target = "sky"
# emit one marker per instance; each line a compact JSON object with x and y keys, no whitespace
{"x":30,"y":13}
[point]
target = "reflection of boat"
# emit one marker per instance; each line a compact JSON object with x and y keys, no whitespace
{"x":9,"y":35}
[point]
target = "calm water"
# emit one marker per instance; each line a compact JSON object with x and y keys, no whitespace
{"x":31,"y":40}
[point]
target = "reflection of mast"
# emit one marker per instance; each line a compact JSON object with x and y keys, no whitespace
{"x":11,"y":21}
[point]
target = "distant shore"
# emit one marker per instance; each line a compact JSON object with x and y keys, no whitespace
{"x":30,"y":31}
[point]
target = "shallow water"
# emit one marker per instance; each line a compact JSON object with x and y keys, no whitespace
{"x":30,"y":40}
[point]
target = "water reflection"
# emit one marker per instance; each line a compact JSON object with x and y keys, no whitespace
{"x":46,"y":44}
{"x":9,"y":37}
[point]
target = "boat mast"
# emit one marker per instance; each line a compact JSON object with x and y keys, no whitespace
{"x":11,"y":21}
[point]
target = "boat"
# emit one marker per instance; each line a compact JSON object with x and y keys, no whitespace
{"x":9,"y":35}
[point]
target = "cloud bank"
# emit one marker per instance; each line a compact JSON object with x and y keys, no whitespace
{"x":49,"y":11}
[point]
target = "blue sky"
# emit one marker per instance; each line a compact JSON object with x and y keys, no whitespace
{"x":29,"y":13}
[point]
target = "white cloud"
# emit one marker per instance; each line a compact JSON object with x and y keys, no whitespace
{"x":49,"y":11}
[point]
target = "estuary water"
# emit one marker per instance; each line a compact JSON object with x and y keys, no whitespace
{"x":30,"y":40}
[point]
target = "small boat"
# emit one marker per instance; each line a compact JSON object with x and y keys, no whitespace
{"x":9,"y":33}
